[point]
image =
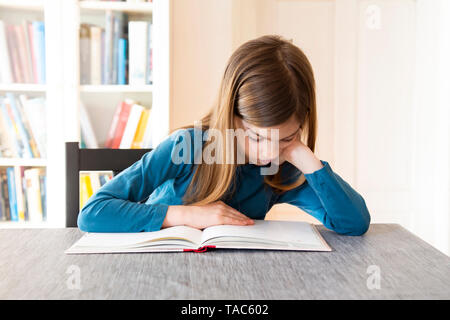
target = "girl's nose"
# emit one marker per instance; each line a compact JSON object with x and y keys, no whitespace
{"x":269,"y":150}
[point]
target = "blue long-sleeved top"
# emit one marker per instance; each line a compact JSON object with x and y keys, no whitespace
{"x":137,"y":199}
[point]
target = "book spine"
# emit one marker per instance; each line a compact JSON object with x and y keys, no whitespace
{"x":33,"y":111}
{"x":149,"y":73}
{"x":138,"y":137}
{"x":85,"y":50}
{"x":86,"y":127}
{"x":109,"y":42}
{"x":14,"y":130}
{"x":19,"y":194}
{"x":39,"y":41}
{"x":131,"y":126}
{"x":102,"y":55}
{"x":117,"y":35}
{"x":137,"y":35}
{"x":42,"y":190}
{"x":7,"y":140}
{"x":31,"y":140}
{"x":3,"y":202}
{"x":5,"y":70}
{"x":27,"y":46}
{"x":85,"y":190}
{"x":33,"y":194}
{"x":147,"y":139}
{"x":12,"y":194}
{"x":123,"y":118}
{"x":113,"y":127}
{"x":21,"y":59}
{"x":96,"y":55}
{"x":32,"y":47}
{"x":5,"y":192}
{"x":121,"y":63}
{"x":23,"y":135}
{"x":12,"y":50}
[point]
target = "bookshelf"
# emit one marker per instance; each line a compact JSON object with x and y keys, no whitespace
{"x":15,"y":13}
{"x":64,"y":93}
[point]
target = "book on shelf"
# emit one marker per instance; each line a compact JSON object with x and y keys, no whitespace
{"x":262,"y":235}
{"x":90,"y":183}
{"x":130,"y":126}
{"x":22,"y":194}
{"x":22,"y":52}
{"x":121,"y":52}
{"x":87,"y":131}
{"x":141,"y":51}
{"x":22,"y":124}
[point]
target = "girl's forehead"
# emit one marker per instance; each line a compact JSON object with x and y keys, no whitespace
{"x":285,"y":130}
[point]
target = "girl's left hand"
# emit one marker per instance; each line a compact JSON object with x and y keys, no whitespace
{"x":301,"y":156}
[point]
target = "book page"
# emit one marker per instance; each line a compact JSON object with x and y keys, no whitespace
{"x":130,"y":239}
{"x":265,"y":232}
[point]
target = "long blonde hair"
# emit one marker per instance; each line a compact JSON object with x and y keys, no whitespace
{"x":266,"y":81}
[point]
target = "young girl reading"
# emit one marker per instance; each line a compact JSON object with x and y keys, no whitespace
{"x":267,"y":92}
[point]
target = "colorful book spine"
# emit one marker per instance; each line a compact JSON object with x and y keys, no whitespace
{"x":130,"y":128}
{"x":20,"y":201}
{"x":33,"y":194}
{"x":12,"y":194}
{"x":22,"y":132}
{"x":122,"y":122}
{"x":122,"y":61}
{"x":5,"y":192}
{"x":43,"y":190}
{"x":14,"y":129}
{"x":39,"y":43}
{"x":139,"y":136}
{"x":85,"y":189}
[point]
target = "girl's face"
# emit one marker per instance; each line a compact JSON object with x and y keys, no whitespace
{"x":259,"y":145}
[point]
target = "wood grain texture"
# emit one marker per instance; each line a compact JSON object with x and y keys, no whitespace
{"x":34,"y":266}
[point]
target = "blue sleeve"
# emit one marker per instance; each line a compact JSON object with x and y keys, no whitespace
{"x":331,"y":200}
{"x":115,"y":208}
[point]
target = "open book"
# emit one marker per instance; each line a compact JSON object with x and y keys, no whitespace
{"x":264,"y":234}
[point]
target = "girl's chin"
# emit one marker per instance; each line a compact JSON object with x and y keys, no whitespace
{"x":262,"y":163}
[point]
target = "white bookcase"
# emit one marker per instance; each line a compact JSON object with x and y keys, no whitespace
{"x":64,"y":93}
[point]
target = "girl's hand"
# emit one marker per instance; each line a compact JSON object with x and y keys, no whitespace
{"x":200,"y":217}
{"x":301,"y":156}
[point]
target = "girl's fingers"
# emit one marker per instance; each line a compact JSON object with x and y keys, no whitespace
{"x":235,"y":219}
{"x":237,"y":213}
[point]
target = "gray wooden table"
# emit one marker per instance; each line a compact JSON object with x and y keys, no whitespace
{"x":33,"y":266}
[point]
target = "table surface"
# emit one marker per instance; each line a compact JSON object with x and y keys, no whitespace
{"x":33,"y":266}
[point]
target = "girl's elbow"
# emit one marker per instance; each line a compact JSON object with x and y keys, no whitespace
{"x":88,"y":219}
{"x":84,"y":221}
{"x":356,"y":226}
{"x":362,"y":223}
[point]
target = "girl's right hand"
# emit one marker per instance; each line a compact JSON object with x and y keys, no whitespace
{"x":200,"y":217}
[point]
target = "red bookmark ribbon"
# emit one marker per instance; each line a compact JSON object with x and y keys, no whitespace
{"x":201,"y":249}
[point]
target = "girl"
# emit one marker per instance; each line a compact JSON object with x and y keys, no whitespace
{"x":268,"y":86}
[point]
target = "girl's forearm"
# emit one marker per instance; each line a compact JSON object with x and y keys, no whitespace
{"x":305,"y":160}
{"x":174,"y":216}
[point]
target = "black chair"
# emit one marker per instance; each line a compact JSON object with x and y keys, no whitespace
{"x":77,"y":160}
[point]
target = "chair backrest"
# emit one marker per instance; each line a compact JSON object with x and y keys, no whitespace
{"x":77,"y":160}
